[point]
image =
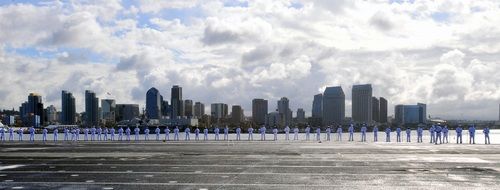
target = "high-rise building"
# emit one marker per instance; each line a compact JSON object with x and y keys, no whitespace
{"x":317,"y":108}
{"x":165,"y":107}
{"x":362,"y":103}
{"x":199,"y":109}
{"x":274,"y":119}
{"x":108,"y":110}
{"x":333,"y":105}
{"x":218,"y":110}
{"x":68,"y":112}
{"x":188,"y":108}
{"x":301,"y":116}
{"x":410,"y":114}
{"x":284,"y":111}
{"x":177,"y":102}
{"x":153,"y":103}
{"x":375,"y":109}
{"x":51,"y":114}
{"x":36,"y":109}
{"x":91,"y":109}
{"x":126,"y":112}
{"x":383,"y":110}
{"x":259,"y":111}
{"x":236,"y":114}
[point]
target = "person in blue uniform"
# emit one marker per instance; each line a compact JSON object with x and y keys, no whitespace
{"x":136,"y":133}
{"x":32,"y":133}
{"x":275,"y":133}
{"x":307,"y":131}
{"x":92,"y":133}
{"x":363,"y":133}
{"x":486,"y":132}
{"x":187,"y":132}
{"x":420,"y":132}
{"x":112,"y":133}
{"x":375,"y":133}
{"x":105,"y":132}
{"x":287,"y":133}
{"x":205,"y":134}
{"x":472,"y":134}
{"x":398,"y":134}
{"x":318,"y":133}
{"x":250,"y":133}
{"x":120,"y":133}
{"x":44,"y":134}
{"x":167,"y":133}
{"x":99,"y":133}
{"x":328,"y":133}
{"x":431,"y":131}
{"x":437,"y":130}
{"x":458,"y":131}
{"x":226,"y":133}
{"x":20,"y":133}
{"x":86,"y":134}
{"x":2,"y":134}
{"x":157,"y":132}
{"x":176,"y":133}
{"x":146,"y":134}
{"x":56,"y":133}
{"x":339,"y":133}
{"x":388,"y":134}
{"x":445,"y":134}
{"x":408,"y":134}
{"x":127,"y":133}
{"x":11,"y":134}
{"x":263,"y":133}
{"x":197,"y":134}
{"x":238,"y":133}
{"x":66,"y":134}
{"x":77,"y":131}
{"x":216,"y":131}
{"x":295,"y":133}
{"x":73,"y":134}
{"x":351,"y":132}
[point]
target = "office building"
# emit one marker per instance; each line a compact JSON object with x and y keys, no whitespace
{"x":362,"y":103}
{"x":333,"y":105}
{"x":383,"y":110}
{"x":301,"y":116}
{"x":273,"y":119}
{"x":51,"y":114}
{"x":188,"y":108}
{"x":126,"y":112}
{"x":153,"y":104}
{"x":68,"y":111}
{"x":236,"y":114}
{"x":108,"y":110}
{"x":176,"y":102}
{"x":375,"y":109}
{"x":284,"y":111}
{"x":91,"y":109}
{"x":410,"y":114}
{"x":218,"y":111}
{"x":199,"y":109}
{"x":259,"y":111}
{"x":317,"y":108}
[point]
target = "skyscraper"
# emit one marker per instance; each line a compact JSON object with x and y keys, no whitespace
{"x":301,"y":116}
{"x":284,"y":111}
{"x":176,"y":102}
{"x":383,"y":110}
{"x":35,"y":110}
{"x":218,"y":110}
{"x":51,"y":114}
{"x":333,"y":105}
{"x":68,"y":115}
{"x":199,"y":109}
{"x":410,"y":114}
{"x":259,"y":111}
{"x":317,"y":108}
{"x":153,"y":103}
{"x":108,"y":110}
{"x":126,"y":112}
{"x":362,"y":103}
{"x":91,"y":109}
{"x":236,"y":114}
{"x":375,"y":109}
{"x":188,"y":108}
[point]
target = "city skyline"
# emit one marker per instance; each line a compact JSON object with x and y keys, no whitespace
{"x":442,"y":53}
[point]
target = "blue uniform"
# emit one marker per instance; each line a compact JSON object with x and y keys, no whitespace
{"x":157,"y":132}
{"x":339,"y":133}
{"x":250,"y":133}
{"x":136,"y":133}
{"x":458,"y":130}
{"x":99,"y":133}
{"x":375,"y":134}
{"x":77,"y":132}
{"x":187,"y":131}
{"x":106,"y":132}
{"x":20,"y":133}
{"x":176,"y":133}
{"x":120,"y":133}
{"x":420,"y":132}
{"x":66,"y":134}
{"x":445,"y":134}
{"x":32,"y":134}
{"x":56,"y":132}
{"x":127,"y":132}
{"x":2,"y":134}
{"x":408,"y":135}
{"x":205,"y":134}
{"x":146,"y":134}
{"x":431,"y":131}
{"x":351,"y":132}
{"x":486,"y":132}
{"x":287,"y":133}
{"x":197,"y":134}
{"x":216,"y":131}
{"x":238,"y":134}
{"x":363,"y":133}
{"x":11,"y":134}
{"x":44,"y":135}
{"x":398,"y":134}
{"x":226,"y":133}
{"x":263,"y":133}
{"x":112,"y":134}
{"x":167,"y":133}
{"x":275,"y":133}
{"x":318,"y":134}
{"x":437,"y":130}
{"x":73,"y":134}
{"x":387,"y":134}
{"x":86,"y":134}
{"x":328,"y":133}
{"x":92,"y":133}
{"x":296,"y":133}
{"x":308,"y":131}
{"x":472,"y":134}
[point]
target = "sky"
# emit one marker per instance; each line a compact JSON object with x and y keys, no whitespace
{"x":443,"y":53}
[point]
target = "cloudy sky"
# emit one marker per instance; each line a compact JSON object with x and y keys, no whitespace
{"x":444,"y":53}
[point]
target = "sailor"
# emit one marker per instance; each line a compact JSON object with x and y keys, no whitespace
{"x":112,"y":133}
{"x":250,"y":133}
{"x":388,"y":134}
{"x":351,"y":132}
{"x":263,"y":133}
{"x":226,"y":133}
{"x":205,"y":134}
{"x":363,"y":133}
{"x":11,"y":134}
{"x":437,"y":130}
{"x":486,"y":132}
{"x":408,"y":133}
{"x":157,"y":131}
{"x":120,"y":133}
{"x":86,"y":134}
{"x":77,"y":132}
{"x":146,"y":134}
{"x":127,"y":133}
{"x":328,"y":133}
{"x":287,"y":133}
{"x":187,"y":131}
{"x":275,"y":133}
{"x":216,"y":131}
{"x":472,"y":133}
{"x":318,"y":134}
{"x":73,"y":134}
{"x":99,"y":133}
{"x":431,"y":131}
{"x":20,"y":132}
{"x":136,"y":132}
{"x":106,"y":131}
{"x":307,"y":131}
{"x":197,"y":134}
{"x":66,"y":134}
{"x":445,"y":134}
{"x":375,"y":133}
{"x":176,"y":133}
{"x":295,"y":133}
{"x":44,"y":134}
{"x":92,"y":133}
{"x":420,"y":132}
{"x":339,"y":133}
{"x":2,"y":134}
{"x":32,"y":133}
{"x":398,"y":134}
{"x":56,"y":132}
{"x":238,"y":133}
{"x":167,"y":133}
{"x":458,"y":131}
